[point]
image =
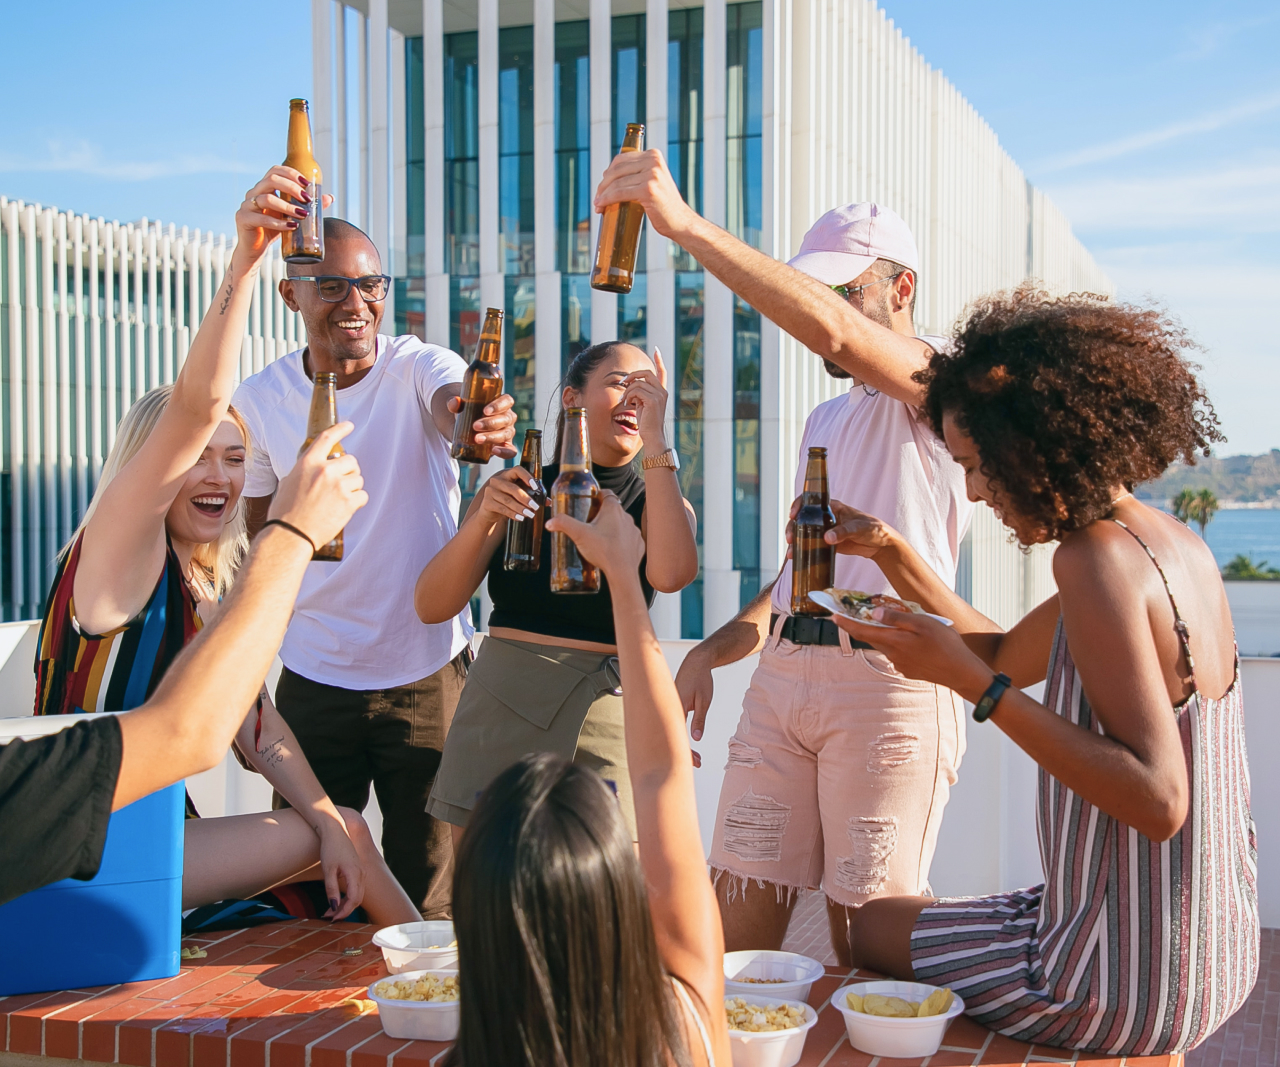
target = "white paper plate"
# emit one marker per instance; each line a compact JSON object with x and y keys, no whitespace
{"x":826,"y":600}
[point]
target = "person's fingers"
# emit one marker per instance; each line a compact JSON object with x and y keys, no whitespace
{"x":660,"y":366}
{"x":327,"y":438}
{"x":284,"y":180}
{"x":513,"y":500}
{"x":572,"y":528}
{"x":454,"y":405}
{"x":795,"y":507}
{"x":699,"y":721}
{"x":257,"y":220}
{"x":326,"y":200}
{"x":505,"y":451}
{"x":505,"y":402}
{"x":697,"y":757}
{"x":332,"y":888}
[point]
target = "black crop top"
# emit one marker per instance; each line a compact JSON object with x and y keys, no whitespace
{"x":524,"y":601}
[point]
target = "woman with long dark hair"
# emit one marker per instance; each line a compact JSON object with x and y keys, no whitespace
{"x":546,"y":678}
{"x":576,"y":948}
{"x":1143,"y":938}
{"x":150,"y":561}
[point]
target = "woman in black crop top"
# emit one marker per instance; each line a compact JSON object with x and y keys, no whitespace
{"x":546,"y":677}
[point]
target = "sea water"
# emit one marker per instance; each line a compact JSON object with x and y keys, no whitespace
{"x":1251,"y":532}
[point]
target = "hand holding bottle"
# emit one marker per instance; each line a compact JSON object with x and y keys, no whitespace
{"x":265,"y":214}
{"x":612,"y":540}
{"x":320,"y":494}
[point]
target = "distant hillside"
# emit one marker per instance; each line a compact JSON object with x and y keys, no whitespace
{"x":1233,"y":479}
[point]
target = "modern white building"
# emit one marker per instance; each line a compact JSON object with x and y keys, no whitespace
{"x":467,"y":137}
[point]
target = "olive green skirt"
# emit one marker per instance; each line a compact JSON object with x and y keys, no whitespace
{"x":522,"y":698}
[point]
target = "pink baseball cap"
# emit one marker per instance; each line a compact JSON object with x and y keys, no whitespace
{"x":847,"y":240}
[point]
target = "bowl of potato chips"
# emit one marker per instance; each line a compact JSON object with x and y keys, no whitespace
{"x":767,"y":1031}
{"x":418,"y":1005}
{"x":784,"y":975}
{"x":901,"y":1019}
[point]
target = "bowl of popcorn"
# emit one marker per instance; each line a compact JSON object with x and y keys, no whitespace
{"x":767,"y":1031}
{"x":781,"y":975}
{"x":418,"y":1005}
{"x":902,"y":1019}
{"x":418,"y":946}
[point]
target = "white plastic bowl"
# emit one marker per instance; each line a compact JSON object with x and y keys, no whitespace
{"x":773,"y":1048}
{"x":417,"y":946}
{"x":798,"y":973}
{"x":417,"y":1020}
{"x":879,"y":1035}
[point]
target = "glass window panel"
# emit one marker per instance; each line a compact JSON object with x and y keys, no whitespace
{"x":628,"y":74}
{"x":573,"y":148}
{"x":518,"y":352}
{"x":515,"y":149}
{"x":575,"y":317}
{"x":461,"y":154}
{"x":633,"y":323}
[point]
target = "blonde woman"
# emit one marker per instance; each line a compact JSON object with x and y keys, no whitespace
{"x":156,"y":550}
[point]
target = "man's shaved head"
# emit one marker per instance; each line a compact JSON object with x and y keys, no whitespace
{"x":335,"y":231}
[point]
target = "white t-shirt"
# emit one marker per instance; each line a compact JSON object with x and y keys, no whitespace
{"x":882,"y":458}
{"x":354,"y":624}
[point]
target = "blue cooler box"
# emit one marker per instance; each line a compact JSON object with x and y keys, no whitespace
{"x":123,"y":925}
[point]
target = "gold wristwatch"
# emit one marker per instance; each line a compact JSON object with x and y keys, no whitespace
{"x":667,"y":459}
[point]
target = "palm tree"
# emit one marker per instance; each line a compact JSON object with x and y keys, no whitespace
{"x":1206,"y":507}
{"x":1183,"y":505}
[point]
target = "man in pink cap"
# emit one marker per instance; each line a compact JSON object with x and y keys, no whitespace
{"x":840,"y":768}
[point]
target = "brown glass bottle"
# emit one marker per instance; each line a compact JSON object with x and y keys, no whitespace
{"x":306,"y":243}
{"x":575,"y":493}
{"x":524,"y":539}
{"x":619,"y":241}
{"x":813,"y":561}
{"x":324,"y":413}
{"x":481,"y":385}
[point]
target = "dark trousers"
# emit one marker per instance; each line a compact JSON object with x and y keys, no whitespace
{"x":392,"y":739}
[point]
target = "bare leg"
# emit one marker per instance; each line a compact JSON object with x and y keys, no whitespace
{"x":879,"y":934}
{"x":242,"y":855}
{"x":757,"y":917}
{"x":456,"y":831}
{"x":839,"y":918}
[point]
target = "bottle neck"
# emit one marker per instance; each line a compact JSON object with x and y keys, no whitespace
{"x":633,"y":141}
{"x":531,"y":457}
{"x":324,"y":409}
{"x":300,"y":149}
{"x":575,"y":452}
{"x":489,"y":350}
{"x":815,"y":484}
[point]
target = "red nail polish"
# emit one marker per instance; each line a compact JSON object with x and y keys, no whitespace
{"x":303,"y":182}
{"x":291,"y":223}
{"x":305,"y":198}
{"x":301,"y":212}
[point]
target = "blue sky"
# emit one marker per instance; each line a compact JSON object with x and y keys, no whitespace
{"x":1154,"y":125}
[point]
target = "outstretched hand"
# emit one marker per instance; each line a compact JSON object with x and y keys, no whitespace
{"x":611,"y":541}
{"x":497,"y":427}
{"x":265,"y":213}
{"x":643,"y":178}
{"x":321,"y":493}
{"x":855,"y":533}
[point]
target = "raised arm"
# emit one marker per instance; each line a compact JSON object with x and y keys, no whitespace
{"x":453,"y":574}
{"x":1022,"y":653}
{"x":686,"y":919}
{"x":124,"y":541}
{"x":802,"y":306}
{"x":191,"y":718}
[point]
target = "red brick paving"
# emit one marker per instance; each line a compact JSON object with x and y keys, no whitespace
{"x":1251,"y":1037}
{"x":272,"y":997}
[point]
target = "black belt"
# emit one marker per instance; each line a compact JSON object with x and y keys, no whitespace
{"x":806,"y":630}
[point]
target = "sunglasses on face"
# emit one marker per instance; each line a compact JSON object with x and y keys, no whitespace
{"x":848,"y":292}
{"x":333,"y":288}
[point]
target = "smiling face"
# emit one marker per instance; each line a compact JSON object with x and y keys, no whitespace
{"x":345,"y":332}
{"x":212,"y":489}
{"x":980,"y":488}
{"x":613,"y":427}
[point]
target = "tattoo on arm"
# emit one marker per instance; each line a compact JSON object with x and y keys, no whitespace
{"x":272,"y":753}
{"x":226,"y":296}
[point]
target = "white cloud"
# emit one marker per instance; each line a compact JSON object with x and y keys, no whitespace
{"x":1241,"y":197}
{"x":84,"y":158}
{"x":1136,"y":142}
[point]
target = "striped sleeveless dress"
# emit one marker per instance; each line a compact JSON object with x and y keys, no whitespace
{"x":118,"y":670}
{"x":1131,"y":946}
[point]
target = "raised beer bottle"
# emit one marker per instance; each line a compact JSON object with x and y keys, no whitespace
{"x":615,"y":269}
{"x":305,"y":244}
{"x":481,"y":385}
{"x":575,"y":493}
{"x":524,"y":539}
{"x":813,"y":561}
{"x":324,"y":413}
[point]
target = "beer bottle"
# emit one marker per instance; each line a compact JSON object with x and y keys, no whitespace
{"x":619,"y":241}
{"x":575,"y":493}
{"x":813,"y":561}
{"x":481,"y":385}
{"x":524,"y":539}
{"x":305,"y":244}
{"x":324,"y":413}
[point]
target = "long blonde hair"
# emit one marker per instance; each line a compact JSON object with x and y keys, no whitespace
{"x":218,"y":559}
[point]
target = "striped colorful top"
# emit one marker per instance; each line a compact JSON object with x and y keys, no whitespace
{"x":1131,"y":946}
{"x":117,"y":670}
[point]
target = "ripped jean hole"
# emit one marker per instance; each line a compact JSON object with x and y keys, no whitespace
{"x":892,"y":750}
{"x":753,"y":828}
{"x":737,"y":886}
{"x":743,"y":755}
{"x":866,"y":869}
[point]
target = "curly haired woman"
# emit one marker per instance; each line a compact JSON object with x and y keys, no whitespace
{"x":1143,"y":938}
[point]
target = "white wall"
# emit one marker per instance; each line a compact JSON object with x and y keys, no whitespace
{"x":1255,"y":610}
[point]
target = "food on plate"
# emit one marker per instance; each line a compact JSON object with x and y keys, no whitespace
{"x":437,"y":948}
{"x":427,"y":988}
{"x":758,"y":1019}
{"x":760,"y":981}
{"x":861,"y":605}
{"x":935,"y":1003}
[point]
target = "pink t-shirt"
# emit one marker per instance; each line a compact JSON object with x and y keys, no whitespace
{"x":882,"y":458}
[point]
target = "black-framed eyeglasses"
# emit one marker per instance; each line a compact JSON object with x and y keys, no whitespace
{"x":846,"y":292}
{"x":333,"y":288}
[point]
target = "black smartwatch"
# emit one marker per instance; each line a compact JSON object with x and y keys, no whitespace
{"x":987,"y":704}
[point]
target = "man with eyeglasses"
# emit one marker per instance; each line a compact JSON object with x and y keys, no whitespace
{"x":840,"y":768}
{"x":366,"y":687}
